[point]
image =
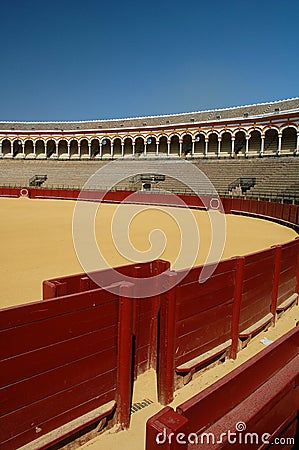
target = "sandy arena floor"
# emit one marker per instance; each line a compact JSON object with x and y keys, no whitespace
{"x":36,"y":240}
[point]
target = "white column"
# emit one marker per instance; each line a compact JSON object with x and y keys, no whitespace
{"x":247,"y":146}
{"x":145,"y":148}
{"x":69,"y":150}
{"x":45,"y":144}
{"x":168,"y":148}
{"x":89,"y":149}
{"x":297,"y":145}
{"x":279,"y":144}
{"x":133,"y":148}
{"x":122,"y":149}
{"x":181,"y":147}
{"x":192,"y":148}
{"x":34,"y":147}
{"x":262,"y":145}
{"x":101,"y":149}
{"x":233,"y":146}
{"x":219,"y":147}
{"x":157,"y":148}
{"x":206,"y":146}
{"x":1,"y":154}
{"x":111,"y":149}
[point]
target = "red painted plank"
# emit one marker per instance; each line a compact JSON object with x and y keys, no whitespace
{"x":46,"y":332}
{"x":47,"y":358}
{"x":190,"y":306}
{"x":188,"y":276}
{"x":14,"y":437}
{"x":206,"y":337}
{"x":217,"y":399}
{"x":47,"y":384}
{"x":23,"y":314}
{"x":203,"y":320}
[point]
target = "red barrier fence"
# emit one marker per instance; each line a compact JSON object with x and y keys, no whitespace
{"x":196,"y":323}
{"x":265,"y":402}
{"x":60,"y":361}
{"x":256,"y":299}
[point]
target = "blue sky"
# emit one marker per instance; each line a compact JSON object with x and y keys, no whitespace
{"x":80,"y":60}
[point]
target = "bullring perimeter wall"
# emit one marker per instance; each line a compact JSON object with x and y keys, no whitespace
{"x":286,"y":214}
{"x":42,"y":382}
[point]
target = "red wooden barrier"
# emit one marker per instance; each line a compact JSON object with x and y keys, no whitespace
{"x":278,"y":210}
{"x":271,"y":206}
{"x":227,"y":205}
{"x":286,"y":212}
{"x":125,"y":353}
{"x":293,"y":213}
{"x":263,"y":207}
{"x":166,"y":363}
{"x":253,"y":206}
{"x":68,"y":355}
{"x":256,"y":301}
{"x":288,"y":275}
{"x":265,"y":399}
{"x":204,"y":316}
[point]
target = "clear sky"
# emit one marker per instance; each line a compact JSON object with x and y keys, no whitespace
{"x":94,"y":59}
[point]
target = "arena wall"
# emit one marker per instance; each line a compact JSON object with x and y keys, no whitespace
{"x":264,"y":129}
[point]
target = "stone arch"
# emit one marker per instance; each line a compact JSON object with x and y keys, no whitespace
{"x":84,"y":148}
{"x":163,"y":146}
{"x":106,"y":148}
{"x":151,"y":144}
{"x":52,"y":148}
{"x":29,"y":149}
{"x":226,"y":143}
{"x":117,"y":148}
{"x":255,"y":141}
{"x":139,"y":146}
{"x":187,"y":144}
{"x":6,"y":148}
{"x":95,"y":148}
{"x":240,"y":142}
{"x":289,"y":140}
{"x":40,"y":149}
{"x":174,"y":145}
{"x":74,"y":149}
{"x":128,"y":146}
{"x":212,"y":143}
{"x":63,"y":149}
{"x":271,"y":141}
{"x":18,"y":148}
{"x":199,"y":144}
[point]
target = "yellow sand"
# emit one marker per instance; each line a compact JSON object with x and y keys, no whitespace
{"x":36,"y":240}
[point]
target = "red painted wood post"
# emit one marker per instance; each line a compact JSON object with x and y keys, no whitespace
{"x":152,"y":357}
{"x":297,"y":283}
{"x":166,"y":430}
{"x":124,"y":357}
{"x":167,"y":342}
{"x":237,"y":306}
{"x":159,"y":267}
{"x":136,"y":273}
{"x":276,"y":282}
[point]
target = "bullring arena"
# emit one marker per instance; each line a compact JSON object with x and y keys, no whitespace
{"x":175,"y":344}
